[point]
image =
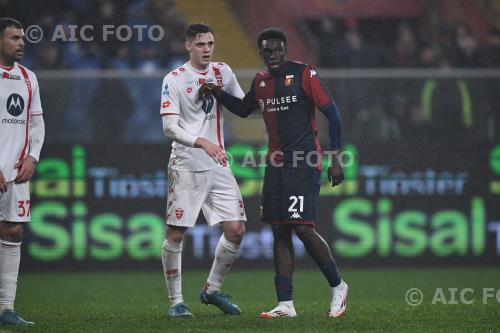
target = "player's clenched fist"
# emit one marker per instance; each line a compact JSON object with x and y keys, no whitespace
{"x":335,"y":172}
{"x":208,"y":89}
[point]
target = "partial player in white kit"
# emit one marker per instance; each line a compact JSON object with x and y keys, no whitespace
{"x":198,"y":175}
{"x":22,"y":132}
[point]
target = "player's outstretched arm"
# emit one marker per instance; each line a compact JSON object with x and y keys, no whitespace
{"x":239,"y":107}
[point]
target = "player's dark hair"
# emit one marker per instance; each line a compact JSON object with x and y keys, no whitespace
{"x":197,"y":28}
{"x":271,"y":33}
{"x":6,"y":22}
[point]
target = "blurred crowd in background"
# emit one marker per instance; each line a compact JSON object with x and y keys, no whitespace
{"x":112,"y":54}
{"x":373,"y":110}
{"x":403,"y":43}
{"x":341,"y":42}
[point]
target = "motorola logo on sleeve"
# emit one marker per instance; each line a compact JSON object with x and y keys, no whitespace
{"x":15,"y":105}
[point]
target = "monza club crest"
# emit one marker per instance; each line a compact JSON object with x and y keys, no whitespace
{"x":179,"y":212}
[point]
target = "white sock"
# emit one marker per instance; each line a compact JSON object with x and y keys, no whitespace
{"x":10,"y":256}
{"x":171,"y":258}
{"x":225,"y":254}
{"x":288,"y":304}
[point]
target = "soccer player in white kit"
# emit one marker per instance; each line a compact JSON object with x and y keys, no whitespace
{"x":198,"y":175}
{"x":22,"y":132}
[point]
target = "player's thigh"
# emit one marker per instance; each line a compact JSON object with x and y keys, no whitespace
{"x":224,"y":201}
{"x":272,"y":198}
{"x":301,"y":194}
{"x":15,"y":203}
{"x":186,"y":192}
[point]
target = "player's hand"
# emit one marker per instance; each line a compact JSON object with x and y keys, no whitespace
{"x":208,"y":89}
{"x":26,"y":169}
{"x":3,"y":183}
{"x":213,"y":150}
{"x":335,"y":171}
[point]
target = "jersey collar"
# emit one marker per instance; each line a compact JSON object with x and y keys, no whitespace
{"x":8,"y":69}
{"x":196,"y":70}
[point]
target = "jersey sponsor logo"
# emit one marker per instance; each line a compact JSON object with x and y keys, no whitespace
{"x":15,"y":105}
{"x":9,"y":76}
{"x":179,"y":212}
{"x":13,"y":121}
{"x":289,"y":80}
{"x":262,"y":84}
{"x":210,"y":116}
{"x":279,"y":103}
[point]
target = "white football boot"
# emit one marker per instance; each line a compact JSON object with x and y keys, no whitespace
{"x":339,"y":300}
{"x":282,"y":310}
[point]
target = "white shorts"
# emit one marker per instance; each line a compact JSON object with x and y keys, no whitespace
{"x":214,"y":191}
{"x":15,"y":203}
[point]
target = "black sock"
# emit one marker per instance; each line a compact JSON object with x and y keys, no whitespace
{"x":332,"y":274}
{"x":284,"y":288}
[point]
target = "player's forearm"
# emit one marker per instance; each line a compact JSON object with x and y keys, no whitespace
{"x":235,"y":105}
{"x":172,"y":130}
{"x":37,"y":136}
{"x":335,"y":126}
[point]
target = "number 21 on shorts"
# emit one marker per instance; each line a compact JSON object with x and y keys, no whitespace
{"x":294,"y":200}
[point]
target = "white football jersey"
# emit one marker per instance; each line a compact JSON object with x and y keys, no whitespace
{"x":204,"y":120}
{"x":19,"y":100}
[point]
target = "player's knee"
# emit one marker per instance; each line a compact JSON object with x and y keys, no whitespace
{"x":234,"y":232}
{"x":11,"y":231}
{"x":175,"y":234}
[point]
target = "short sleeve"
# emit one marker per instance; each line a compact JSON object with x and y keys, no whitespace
{"x":315,"y":89}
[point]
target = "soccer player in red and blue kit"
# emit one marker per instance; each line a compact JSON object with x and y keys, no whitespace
{"x":287,"y":94}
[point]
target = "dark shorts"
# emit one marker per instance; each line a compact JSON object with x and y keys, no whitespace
{"x":290,"y":195}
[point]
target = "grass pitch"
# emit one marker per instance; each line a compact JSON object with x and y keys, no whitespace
{"x":137,"y":302}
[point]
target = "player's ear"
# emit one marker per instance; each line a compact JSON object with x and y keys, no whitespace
{"x":187,"y":45}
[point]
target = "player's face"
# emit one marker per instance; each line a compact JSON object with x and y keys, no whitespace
{"x":273,"y":53}
{"x":11,"y":45}
{"x":201,"y":50}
